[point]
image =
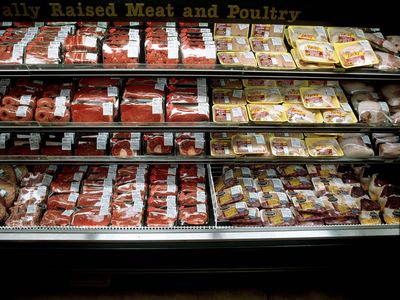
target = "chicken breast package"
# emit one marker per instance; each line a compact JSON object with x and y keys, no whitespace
{"x":229,"y":114}
{"x":275,"y":61}
{"x":356,"y":146}
{"x":307,"y":33}
{"x":249,"y":144}
{"x":267,"y":30}
{"x":304,"y":65}
{"x":296,"y":113}
{"x":243,"y":59}
{"x":355,"y":54}
{"x":387,"y":62}
{"x":265,"y":113}
{"x":281,"y":146}
{"x":316,"y":52}
{"x":258,"y":82}
{"x":278,"y":217}
{"x":290,"y":94}
{"x":343,"y":115}
{"x":228,"y":96}
{"x":270,"y":95}
{"x":319,"y":98}
{"x":326,"y":147}
{"x":221,"y":148}
{"x":345,"y":34}
{"x":271,"y":44}
{"x":231,"y":29}
{"x":234,"y":43}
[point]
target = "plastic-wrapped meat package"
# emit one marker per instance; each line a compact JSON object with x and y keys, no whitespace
{"x":296,"y":183}
{"x":322,"y":170}
{"x":22,"y":148}
{"x":389,"y":150}
{"x":54,"y":148}
{"x":91,"y":200}
{"x":191,"y":175}
{"x":81,"y":57}
{"x":54,"y":115}
{"x":88,"y":148}
{"x":356,"y":87}
{"x":341,"y":221}
{"x":132,"y":186}
{"x":369,"y":212}
{"x":266,"y":30}
{"x":193,"y":215}
{"x":23,"y":97}
{"x":43,"y":53}
{"x":192,"y":198}
{"x":161,"y":46}
{"x":306,"y":201}
{"x":163,"y":190}
{"x":16,"y":113}
{"x":81,"y":43}
{"x":230,"y":29}
{"x":277,"y":217}
{"x":32,"y":180}
{"x":143,"y":111}
{"x":378,"y":186}
{"x":252,"y":219}
{"x":373,"y":112}
{"x":132,"y":170}
{"x":91,"y":111}
{"x":98,"y":82}
{"x":123,"y":148}
{"x":12,"y":54}
{"x":24,"y":215}
{"x":92,"y":216}
{"x":391,"y":212}
{"x":63,"y":187}
{"x":142,"y":92}
{"x":62,"y":201}
{"x":127,"y":215}
{"x":119,"y":49}
{"x":381,"y":43}
{"x":230,"y":195}
{"x":138,"y":196}
{"x":188,"y":113}
{"x":159,"y":217}
{"x":190,"y":144}
{"x":53,"y":217}
{"x":161,"y":201}
{"x":387,"y":62}
{"x":356,"y":146}
{"x":308,"y":217}
{"x":8,"y":193}
{"x":158,"y":144}
{"x":392,"y":94}
{"x":344,"y":205}
{"x":292,"y":170}
{"x":299,"y":114}
{"x":274,"y":200}
{"x":334,"y":185}
{"x":233,"y":211}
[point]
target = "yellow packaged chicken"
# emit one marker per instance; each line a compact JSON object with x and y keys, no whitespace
{"x":230,"y":114}
{"x":345,"y":34}
{"x":297,"y":113}
{"x":343,"y":115}
{"x":221,"y":148}
{"x":228,"y":96}
{"x":323,"y":147}
{"x":356,"y":54}
{"x":307,"y":33}
{"x":249,"y":144}
{"x":316,"y":52}
{"x":275,"y":60}
{"x":281,"y":146}
{"x":290,"y":94}
{"x":319,"y":98}
{"x":301,"y":64}
{"x":265,"y":113}
{"x":263,"y":95}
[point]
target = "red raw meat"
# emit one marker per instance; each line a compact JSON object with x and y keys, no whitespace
{"x":90,"y":216}
{"x":55,"y":218}
{"x":90,"y":112}
{"x":89,"y":200}
{"x":64,"y":187}
{"x":157,"y":217}
{"x":46,"y":114}
{"x":191,"y":198}
{"x":161,"y":190}
{"x":192,"y":216}
{"x":155,"y":145}
{"x":61,"y":201}
{"x":140,"y":112}
{"x":122,"y":148}
{"x":98,"y":82}
{"x":142,"y":92}
{"x":9,"y":113}
{"x":126,"y":215}
{"x":187,"y":113}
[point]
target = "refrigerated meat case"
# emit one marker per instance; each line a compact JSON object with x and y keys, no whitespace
{"x":216,"y":247}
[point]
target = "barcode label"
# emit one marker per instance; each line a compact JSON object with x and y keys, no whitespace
{"x":73,"y":197}
{"x":47,"y":179}
{"x":236,"y":112}
{"x":238,"y":93}
{"x":168,"y":139}
{"x":60,"y":100}
{"x":260,"y":139}
{"x":67,"y":213}
{"x":201,"y":208}
{"x":59,"y":111}
{"x":108,"y":109}
{"x":75,"y":186}
{"x":295,"y":143}
{"x":66,"y":144}
{"x":90,"y":41}
{"x":156,"y":105}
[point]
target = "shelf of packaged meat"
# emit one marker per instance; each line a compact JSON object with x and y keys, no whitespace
{"x":22,"y":127}
{"x":140,"y":204}
{"x":167,"y":159}
{"x":122,"y":70}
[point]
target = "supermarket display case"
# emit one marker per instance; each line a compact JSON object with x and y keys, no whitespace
{"x":215,"y":241}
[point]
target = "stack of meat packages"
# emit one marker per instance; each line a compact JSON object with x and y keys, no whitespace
{"x":197,"y":45}
{"x":96,"y":100}
{"x":31,"y":100}
{"x":121,"y":46}
{"x":84,"y":46}
{"x":162,"y":45}
{"x":166,"y":193}
{"x":187,"y":100}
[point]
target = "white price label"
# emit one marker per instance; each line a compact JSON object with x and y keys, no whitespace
{"x":171,"y":212}
{"x":168,"y":139}
{"x":2,"y":141}
{"x":34,"y":144}
{"x":240,"y":205}
{"x":25,"y":99}
{"x":227,"y":151}
{"x":156,"y":106}
{"x":65,"y":93}
{"x":243,"y":26}
{"x":199,"y":143}
{"x":83,"y":168}
{"x":282,"y":197}
{"x":159,"y":86}
{"x":295,"y":143}
{"x":173,"y":51}
{"x":170,"y":24}
{"x":203,"y":108}
{"x":53,"y":52}
{"x":236,"y":190}
{"x":276,"y":41}
{"x":70,"y":135}
{"x":5,"y":81}
{"x":250,"y":148}
{"x":238,"y":93}
{"x":171,"y":171}
{"x":210,"y":52}
{"x":52,"y":168}
{"x":59,"y":111}
{"x":277,"y":28}
{"x":47,"y":179}
{"x":140,"y":186}
{"x":330,"y":91}
{"x":227,"y":99}
{"x":366,"y":45}
{"x":91,"y":56}
{"x":274,"y":61}
{"x":108,"y":109}
{"x":105,"y":199}
{"x":286,"y":213}
{"x":236,"y":112}
{"x":140,"y":178}
{"x":207,"y":38}
{"x":60,"y":101}
{"x":42,"y":190}
{"x":136,"y":196}
{"x":31,"y":209}
{"x":384,"y":106}
{"x":78,"y":176}
{"x":201,"y":208}
{"x":162,"y":81}
{"x":271,"y":173}
{"x":286,"y":57}
{"x":229,"y":47}
{"x":277,"y":183}
{"x":38,"y":24}
{"x":75,"y":186}
{"x":320,"y":30}
{"x":170,"y":179}
{"x":6,"y":24}
{"x":67,"y":213}
{"x":104,"y":210}
{"x":259,"y":139}
{"x":265,"y":47}
{"x":248,"y":54}
{"x":346,"y":107}
{"x":101,"y":143}
{"x":201,"y":196}
{"x":73,"y":197}
{"x":202,"y":99}
{"x":366,"y":139}
{"x":171,"y":201}
{"x":66,"y":144}
{"x":171,"y":188}
{"x":134,"y":23}
{"x":135,"y":144}
{"x":112,"y":91}
{"x":241,"y":40}
{"x":90,"y":41}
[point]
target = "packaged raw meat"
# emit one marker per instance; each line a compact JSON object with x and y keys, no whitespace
{"x":296,"y":183}
{"x":92,"y":216}
{"x":298,"y":114}
{"x":288,"y":147}
{"x":127,"y":215}
{"x":221,"y":148}
{"x":229,"y":114}
{"x":319,"y":98}
{"x":235,"y":43}
{"x":345,"y":34}
{"x":252,"y":219}
{"x":226,"y":83}
{"x":290,"y":94}
{"x":373,"y":112}
{"x":159,"y":217}
{"x":65,"y":187}
{"x":188,"y":113}
{"x":379,"y":42}
{"x":7,"y":174}
{"x":356,"y":87}
{"x":389,"y":150}
{"x":158,"y":144}
{"x":8,"y":193}
{"x":16,"y":113}
{"x":391,"y":212}
{"x":275,"y":60}
{"x":344,"y":205}
{"x":264,"y":113}
{"x":306,"y":201}
{"x":193,"y":215}
{"x":190,"y":144}
{"x":121,"y":50}
{"x":98,"y":82}
{"x":231,"y":29}
{"x":12,"y":53}
{"x":322,"y":170}
{"x":357,"y":146}
{"x":277,"y":217}
{"x":308,"y":33}
{"x":249,"y":144}
{"x":274,"y":200}
{"x":259,"y":83}
{"x":62,"y":201}
{"x":263,"y":95}
{"x":271,"y":44}
{"x":356,"y":54}
{"x":228,"y":96}
{"x":323,"y":147}
{"x":234,"y":211}
{"x":265,"y":173}
{"x":143,"y":111}
{"x":230,"y":195}
{"x":268,"y":185}
{"x":392,"y":94}
{"x":342,"y":115}
{"x":24,"y":215}
{"x":369,"y":212}
{"x":57,"y":114}
{"x":316,"y":52}
{"x":387,"y":62}
{"x":333,"y":185}
{"x":267,"y":30}
{"x":54,"y":217}
{"x":244,"y":59}
{"x":80,"y":57}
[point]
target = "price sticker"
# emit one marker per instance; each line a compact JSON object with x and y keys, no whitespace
{"x":53,"y":52}
{"x":201,"y":208}
{"x":66,"y":144}
{"x":78,"y":176}
{"x":101,"y":143}
{"x":135,"y":144}
{"x":70,"y":135}
{"x":67,"y":212}
{"x":73,"y":197}
{"x":168,"y":139}
{"x":173,"y":52}
{"x":277,"y":28}
{"x":104,"y":210}
{"x":346,"y":107}
{"x":140,"y":186}
{"x":108,"y":109}
{"x":90,"y":41}
{"x":201,"y":196}
{"x":112,"y":91}
{"x":238,"y":93}
{"x":31,"y":209}
{"x":134,"y":23}
{"x":60,"y":101}
{"x":91,"y":56}
{"x":136,"y":196}
{"x":366,"y":139}
{"x":295,"y":143}
{"x":59,"y":111}
{"x":75,"y":186}
{"x":42,"y":190}
{"x":171,"y":188}
{"x":259,"y":139}
{"x":47,"y":179}
{"x":236,"y":112}
{"x":83,"y":168}
{"x":25,"y":99}
{"x":34,"y":143}
{"x":52,"y":168}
